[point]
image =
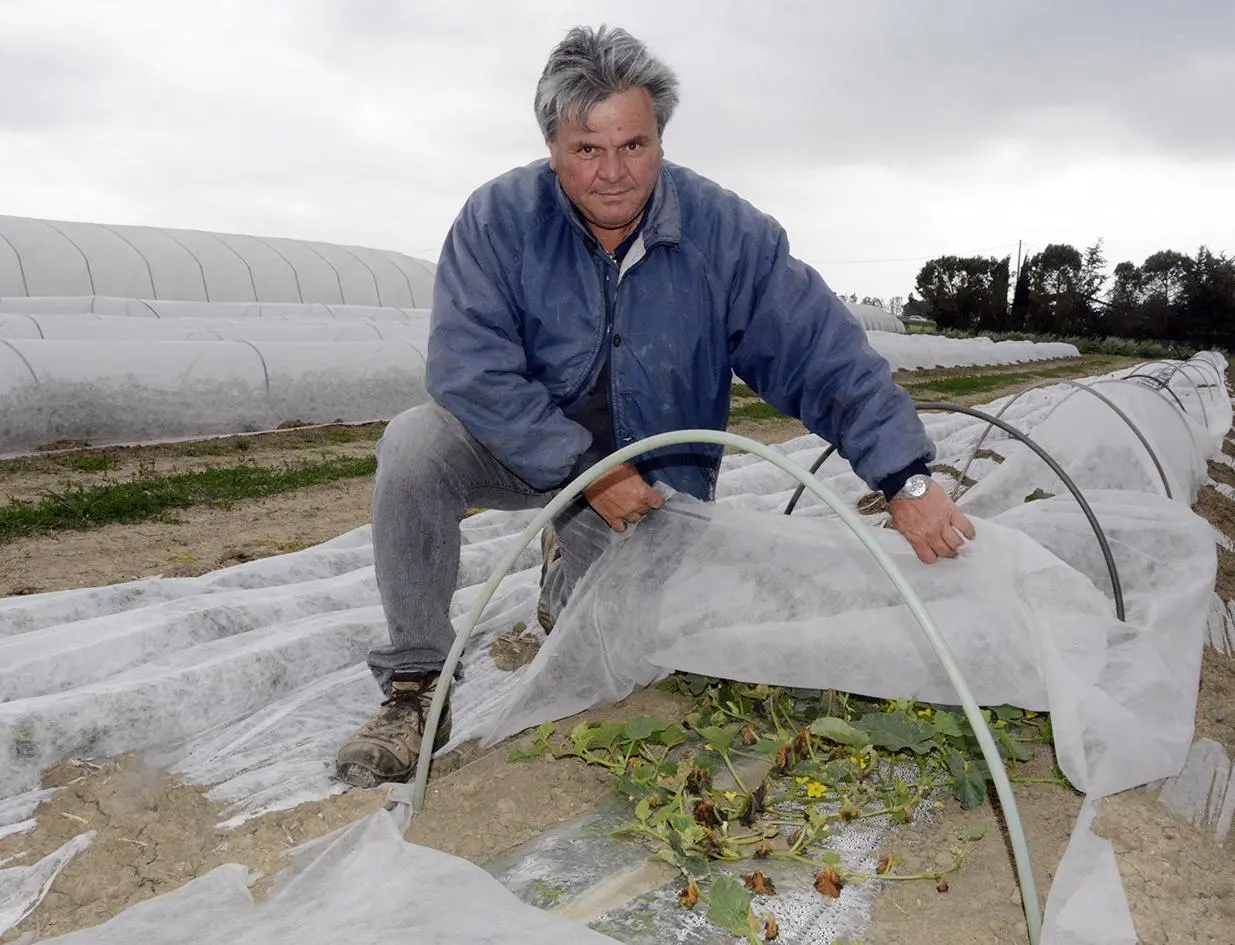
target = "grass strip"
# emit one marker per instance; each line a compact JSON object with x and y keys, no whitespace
{"x":147,"y":498}
{"x":962,"y":386}
{"x":755,"y":410}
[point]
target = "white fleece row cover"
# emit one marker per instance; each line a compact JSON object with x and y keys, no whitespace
{"x":247,"y":679}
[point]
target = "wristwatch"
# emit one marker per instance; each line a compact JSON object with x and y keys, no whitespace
{"x":914,"y":488}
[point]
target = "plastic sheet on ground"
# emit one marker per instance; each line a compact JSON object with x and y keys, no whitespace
{"x":360,"y":884}
{"x":22,"y":888}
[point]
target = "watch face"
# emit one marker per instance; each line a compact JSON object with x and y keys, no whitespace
{"x":916,"y":486}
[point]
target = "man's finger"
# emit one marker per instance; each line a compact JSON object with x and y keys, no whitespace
{"x":951,"y":537}
{"x":655,"y":499}
{"x":963,"y":525}
{"x":924,"y":552}
{"x":941,"y":547}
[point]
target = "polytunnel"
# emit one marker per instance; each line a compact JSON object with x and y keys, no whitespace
{"x":101,"y":391}
{"x":118,"y":328}
{"x":874,"y":318}
{"x":169,"y":309}
{"x":41,"y":258}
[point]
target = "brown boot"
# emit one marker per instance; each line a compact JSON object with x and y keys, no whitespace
{"x":549,"y":553}
{"x":386,"y":747}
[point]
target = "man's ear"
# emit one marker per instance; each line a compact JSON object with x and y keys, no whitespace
{"x":552,"y":157}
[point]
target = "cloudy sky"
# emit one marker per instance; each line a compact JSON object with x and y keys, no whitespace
{"x":879,"y":133}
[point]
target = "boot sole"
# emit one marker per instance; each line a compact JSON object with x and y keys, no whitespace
{"x":362,"y":777}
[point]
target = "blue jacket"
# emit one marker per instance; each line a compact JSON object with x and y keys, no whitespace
{"x":526,"y":303}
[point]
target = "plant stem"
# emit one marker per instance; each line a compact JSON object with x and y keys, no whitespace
{"x":733,"y":771}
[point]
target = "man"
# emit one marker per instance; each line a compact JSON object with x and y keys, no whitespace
{"x":582,"y":304}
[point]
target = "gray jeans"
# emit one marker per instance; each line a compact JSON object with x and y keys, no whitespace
{"x":430,"y":471}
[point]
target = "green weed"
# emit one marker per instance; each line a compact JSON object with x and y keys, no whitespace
{"x":147,"y":497}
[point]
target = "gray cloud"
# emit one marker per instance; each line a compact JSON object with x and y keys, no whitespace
{"x":371,"y":121}
{"x":52,"y":80}
{"x":898,"y":83}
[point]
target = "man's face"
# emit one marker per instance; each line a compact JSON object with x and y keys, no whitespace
{"x":609,"y":168}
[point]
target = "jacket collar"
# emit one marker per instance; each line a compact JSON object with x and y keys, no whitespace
{"x":662,"y":221}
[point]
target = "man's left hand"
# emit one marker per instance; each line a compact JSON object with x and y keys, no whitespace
{"x":933,"y":525}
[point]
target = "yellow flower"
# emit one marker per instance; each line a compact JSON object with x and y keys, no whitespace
{"x":926,"y":713}
{"x":800,"y":782}
{"x":816,"y":788}
{"x":731,"y":795}
{"x":859,"y":760}
{"x":1030,"y":714}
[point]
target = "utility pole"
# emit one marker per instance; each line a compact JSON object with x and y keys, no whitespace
{"x":1018,"y":259}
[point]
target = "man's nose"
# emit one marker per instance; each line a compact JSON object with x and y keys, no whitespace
{"x":612,"y":166}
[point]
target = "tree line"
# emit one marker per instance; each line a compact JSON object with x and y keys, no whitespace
{"x":1065,"y":291}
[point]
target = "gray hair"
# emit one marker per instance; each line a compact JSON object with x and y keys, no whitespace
{"x":590,"y":65}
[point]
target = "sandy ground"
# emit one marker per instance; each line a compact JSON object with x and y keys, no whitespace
{"x":156,"y":834}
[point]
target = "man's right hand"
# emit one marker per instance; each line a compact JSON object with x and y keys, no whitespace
{"x":621,"y":497}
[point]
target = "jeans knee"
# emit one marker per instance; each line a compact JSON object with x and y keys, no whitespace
{"x":419,"y":443}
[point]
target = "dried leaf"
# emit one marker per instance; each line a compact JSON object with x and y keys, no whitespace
{"x":885,"y":864}
{"x":828,"y":882}
{"x":705,"y":814}
{"x":698,"y":780}
{"x":759,"y":884}
{"x":801,"y":744}
{"x":749,"y":737}
{"x":689,"y":896}
{"x":771,"y":929}
{"x":784,"y":760}
{"x":942,"y":885}
{"x":764,"y":850}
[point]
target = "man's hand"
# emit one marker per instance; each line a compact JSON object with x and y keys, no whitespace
{"x":621,"y":497}
{"x":933,"y":525}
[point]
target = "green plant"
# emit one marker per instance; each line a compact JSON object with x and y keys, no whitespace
{"x":760,"y":773}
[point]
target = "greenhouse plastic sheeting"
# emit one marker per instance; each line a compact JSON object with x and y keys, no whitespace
{"x":109,"y":379}
{"x":114,"y":328}
{"x":52,"y":257}
{"x":874,"y":318}
{"x":917,"y":352}
{"x":120,"y":392}
{"x":359,"y":884}
{"x":146,"y":309}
